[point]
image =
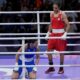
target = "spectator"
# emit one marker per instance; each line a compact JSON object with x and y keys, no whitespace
{"x":38,"y":4}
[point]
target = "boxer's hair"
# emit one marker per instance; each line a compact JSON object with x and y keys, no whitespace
{"x":31,"y":41}
{"x":56,"y":3}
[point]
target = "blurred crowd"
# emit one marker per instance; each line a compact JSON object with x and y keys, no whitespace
{"x":33,"y":5}
{"x":25,"y":5}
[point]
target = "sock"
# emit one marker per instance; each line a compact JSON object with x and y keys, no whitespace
{"x":61,"y":68}
{"x":50,"y":62}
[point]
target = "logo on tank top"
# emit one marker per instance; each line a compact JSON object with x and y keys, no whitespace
{"x":58,"y":19}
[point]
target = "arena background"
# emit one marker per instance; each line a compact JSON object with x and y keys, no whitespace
{"x":30,"y":5}
{"x":35,"y":5}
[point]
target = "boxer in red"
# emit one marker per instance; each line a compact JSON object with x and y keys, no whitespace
{"x":59,"y":27}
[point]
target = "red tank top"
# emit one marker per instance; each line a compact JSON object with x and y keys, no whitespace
{"x":57,"y":22}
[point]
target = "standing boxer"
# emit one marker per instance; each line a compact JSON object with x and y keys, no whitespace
{"x":59,"y":26}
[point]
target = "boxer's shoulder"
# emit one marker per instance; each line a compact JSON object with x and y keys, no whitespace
{"x":52,"y":13}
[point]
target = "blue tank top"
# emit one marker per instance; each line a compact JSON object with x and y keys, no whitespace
{"x":30,"y":50}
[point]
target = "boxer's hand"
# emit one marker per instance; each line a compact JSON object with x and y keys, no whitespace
{"x":16,"y":68}
{"x":47,"y":35}
{"x":63,"y":37}
{"x":55,"y":51}
{"x":35,"y":69}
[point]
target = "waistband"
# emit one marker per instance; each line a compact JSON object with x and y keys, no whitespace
{"x":58,"y":31}
{"x":26,"y":59}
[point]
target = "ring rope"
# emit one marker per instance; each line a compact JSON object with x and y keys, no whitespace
{"x":43,"y":79}
{"x":19,"y":34}
{"x":43,"y":52}
{"x":11,"y":45}
{"x":67,"y":44}
{"x":15,"y":45}
{"x":20,"y":38}
{"x":66,"y":65}
{"x":22,"y":12}
{"x":31,"y":23}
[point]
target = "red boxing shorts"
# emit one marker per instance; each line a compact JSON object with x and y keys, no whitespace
{"x":57,"y":44}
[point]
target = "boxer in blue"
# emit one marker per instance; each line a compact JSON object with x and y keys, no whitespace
{"x":29,"y":60}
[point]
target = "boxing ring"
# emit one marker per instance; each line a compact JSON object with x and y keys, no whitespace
{"x":71,"y":64}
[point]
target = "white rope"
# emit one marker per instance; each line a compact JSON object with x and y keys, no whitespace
{"x":43,"y":79}
{"x":44,"y":52}
{"x":49,"y":22}
{"x":33,"y":23}
{"x":67,"y":44}
{"x":54,"y":79}
{"x":17,"y":12}
{"x":22,"y":12}
{"x":17,"y":45}
{"x":20,"y":38}
{"x":18,"y":23}
{"x":66,"y":65}
{"x":10,"y":38}
{"x":64,"y":11}
{"x":73,"y":33}
{"x":20,"y":34}
{"x":11,"y":45}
